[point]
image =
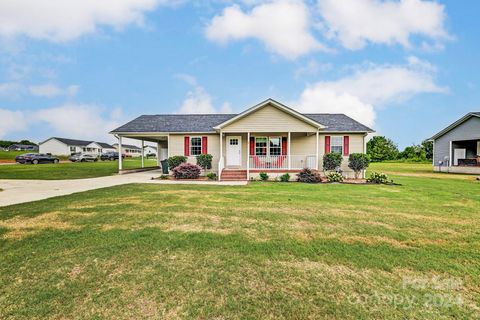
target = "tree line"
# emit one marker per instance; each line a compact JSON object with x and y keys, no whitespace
{"x":6,"y":143}
{"x":380,"y":148}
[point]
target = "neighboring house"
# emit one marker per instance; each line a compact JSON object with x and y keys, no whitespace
{"x":457,"y":147}
{"x":269,"y":137}
{"x":150,"y":151}
{"x":64,"y":147}
{"x":22,"y":147}
{"x":129,"y":150}
{"x":106,"y":147}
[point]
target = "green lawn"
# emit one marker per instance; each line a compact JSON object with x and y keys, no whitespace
{"x":68,"y":170}
{"x":10,"y":155}
{"x":267,"y":250}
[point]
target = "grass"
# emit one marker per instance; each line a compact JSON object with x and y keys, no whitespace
{"x":268,"y":250}
{"x":68,"y":170}
{"x":10,"y":155}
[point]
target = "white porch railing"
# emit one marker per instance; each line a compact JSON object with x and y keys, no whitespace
{"x":281,"y":162}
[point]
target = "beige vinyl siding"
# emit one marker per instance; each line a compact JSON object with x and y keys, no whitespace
{"x":269,"y":119}
{"x":213,"y":145}
{"x":356,"y":145}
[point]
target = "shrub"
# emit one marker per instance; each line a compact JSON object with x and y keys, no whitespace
{"x":285,"y":177}
{"x":175,"y":161}
{"x":358,"y":162}
{"x":263,"y":176}
{"x":332,"y":161}
{"x":186,"y":171}
{"x":334,"y":177}
{"x":309,"y":176}
{"x":205,"y":161}
{"x":376,"y":177}
{"x":212,"y":176}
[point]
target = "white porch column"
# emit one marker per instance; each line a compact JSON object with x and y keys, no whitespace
{"x":120,"y":158}
{"x":220,"y":161}
{"x":316,"y":153}
{"x":450,"y":160}
{"x":289,"y":152}
{"x":143,"y":154}
{"x":248,"y":156}
{"x":158,"y":154}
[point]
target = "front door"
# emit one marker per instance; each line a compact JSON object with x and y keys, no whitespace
{"x":234,"y":151}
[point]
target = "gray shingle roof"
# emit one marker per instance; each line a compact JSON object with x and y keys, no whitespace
{"x":81,"y":143}
{"x":73,"y":142}
{"x":105,"y":145}
{"x":338,"y":122}
{"x":206,"y":122}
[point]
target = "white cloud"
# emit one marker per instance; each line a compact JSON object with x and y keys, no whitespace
{"x":51,"y":90}
{"x":198,"y":100}
{"x":67,"y":20}
{"x":371,"y":87}
{"x":282,"y":25}
{"x":11,"y":121}
{"x":79,"y":121}
{"x":357,"y":22}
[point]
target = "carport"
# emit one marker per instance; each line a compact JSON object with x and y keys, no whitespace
{"x":161,"y":140}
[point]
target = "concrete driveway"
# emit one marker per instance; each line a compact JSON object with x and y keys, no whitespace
{"x":20,"y":191}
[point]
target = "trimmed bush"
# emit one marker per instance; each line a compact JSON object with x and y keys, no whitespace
{"x":309,"y":176}
{"x":186,"y":171}
{"x":263,"y":176}
{"x":332,"y":161}
{"x":175,"y":161}
{"x":377,"y":177}
{"x":334,"y":177}
{"x":212,"y":176}
{"x":358,"y":162}
{"x":205,"y":161}
{"x":285,"y":177}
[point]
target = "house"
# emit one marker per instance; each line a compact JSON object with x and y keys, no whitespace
{"x":268,"y":137}
{"x":150,"y":151}
{"x":22,"y":147}
{"x":65,"y":147}
{"x":129,"y":150}
{"x":457,"y":147}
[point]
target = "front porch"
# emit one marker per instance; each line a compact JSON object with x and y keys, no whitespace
{"x":243,"y":155}
{"x":465,"y":158}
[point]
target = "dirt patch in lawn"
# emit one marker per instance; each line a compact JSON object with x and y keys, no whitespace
{"x":20,"y":227}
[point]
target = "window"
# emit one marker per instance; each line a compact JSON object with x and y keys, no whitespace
{"x":195,"y":146}
{"x":268,"y":146}
{"x":337,"y":144}
{"x":72,"y":149}
{"x":261,"y":146}
{"x":275,"y":146}
{"x":234,"y":142}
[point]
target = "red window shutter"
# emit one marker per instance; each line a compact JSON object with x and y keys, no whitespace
{"x":284,"y":146}
{"x":252,"y":146}
{"x":327,"y":144}
{"x":186,"y":146}
{"x":346,"y":145}
{"x":204,"y":145}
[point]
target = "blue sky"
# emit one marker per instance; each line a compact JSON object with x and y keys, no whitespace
{"x":76,"y":69}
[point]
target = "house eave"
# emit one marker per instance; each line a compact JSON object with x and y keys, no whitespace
{"x":453,"y":125}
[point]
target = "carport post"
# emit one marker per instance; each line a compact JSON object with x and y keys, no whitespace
{"x":120,"y":158}
{"x":143,"y":153}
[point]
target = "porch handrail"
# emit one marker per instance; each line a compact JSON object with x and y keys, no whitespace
{"x":281,"y":162}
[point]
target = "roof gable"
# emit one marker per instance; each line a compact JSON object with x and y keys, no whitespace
{"x":455,"y":124}
{"x":273,"y":103}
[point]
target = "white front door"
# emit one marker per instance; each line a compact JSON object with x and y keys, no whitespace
{"x":234,"y":150}
{"x":459,"y":154}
